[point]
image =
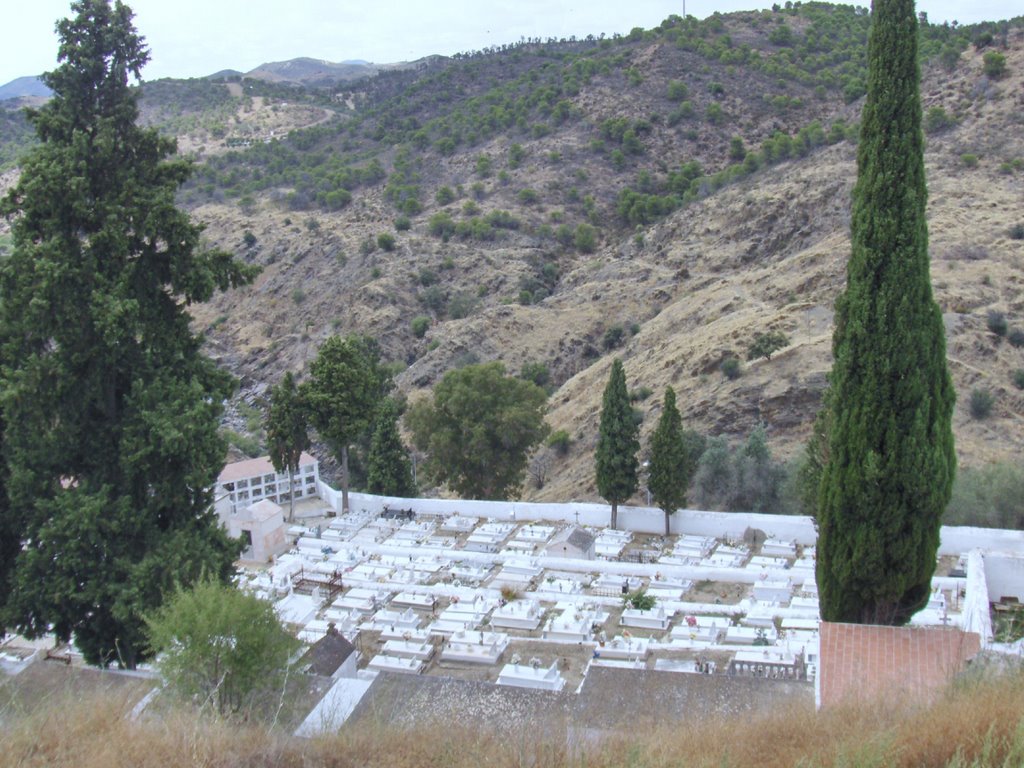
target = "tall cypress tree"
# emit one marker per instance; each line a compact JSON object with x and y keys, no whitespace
{"x":390,"y":471}
{"x":110,"y":409}
{"x":617,"y":444}
{"x":287,"y":432}
{"x":891,"y":460}
{"x":672,"y":461}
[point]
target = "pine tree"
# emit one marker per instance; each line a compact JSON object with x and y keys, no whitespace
{"x":890,"y":459}
{"x":617,"y":444}
{"x":672,"y":464}
{"x":110,"y":409}
{"x":287,"y":432}
{"x":390,"y":472}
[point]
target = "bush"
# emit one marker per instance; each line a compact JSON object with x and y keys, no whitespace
{"x":585,"y":238}
{"x":560,"y":442}
{"x":249,"y":239}
{"x":444,"y":196}
{"x":386,"y":241}
{"x":536,"y":372}
{"x":764,"y":344}
{"x":403,"y":224}
{"x":1017,"y":377}
{"x":936,"y":120}
{"x":298,"y":295}
{"x":677,"y":90}
{"x":640,"y":394}
{"x":994,"y":64}
{"x":528,"y":196}
{"x":1016,"y":337}
{"x":969,"y":160}
{"x":731,"y":368}
{"x":981,"y":403}
{"x":419,"y":326}
{"x":426,"y":277}
{"x":220,"y":646}
{"x":640,"y":600}
{"x":613,"y":337}
{"x":996,"y":322}
{"x":1017,"y":232}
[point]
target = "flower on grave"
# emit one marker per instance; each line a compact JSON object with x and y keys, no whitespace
{"x":535,"y":662}
{"x":516,"y":659}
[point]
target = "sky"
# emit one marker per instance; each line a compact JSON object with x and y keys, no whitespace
{"x":193,"y":38}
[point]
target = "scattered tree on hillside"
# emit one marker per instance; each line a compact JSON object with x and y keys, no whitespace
{"x":672,"y":463}
{"x":346,"y":384}
{"x":390,"y":471}
{"x":891,"y":459}
{"x":222,"y":647}
{"x":617,"y":444}
{"x":478,"y":430}
{"x":110,"y":409}
{"x":287,"y":432}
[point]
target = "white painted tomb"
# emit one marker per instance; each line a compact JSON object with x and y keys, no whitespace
{"x":778,"y":548}
{"x":772,"y":591}
{"x":535,"y":534}
{"x":399,"y":620}
{"x":526,"y":676}
{"x":518,"y":614}
{"x":700,"y":628}
{"x":610,"y":585}
{"x":459,"y":524}
{"x":420,"y":600}
{"x":602,"y":661}
{"x":625,"y":646}
{"x":747,"y":635}
{"x":411,"y":636}
{"x":571,"y":623}
{"x":760,"y":562}
{"x":697,"y":547}
{"x":412,"y":649}
{"x":382,"y":662}
{"x":475,"y":647}
{"x":656,"y":618}
{"x":470,"y":573}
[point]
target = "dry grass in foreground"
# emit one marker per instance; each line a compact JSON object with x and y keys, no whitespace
{"x":978,"y":724}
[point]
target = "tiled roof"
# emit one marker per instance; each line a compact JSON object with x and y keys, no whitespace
{"x":863,"y":661}
{"x":328,"y":653}
{"x":255,"y":468}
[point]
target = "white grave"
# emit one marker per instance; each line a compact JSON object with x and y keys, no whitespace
{"x":655,"y":618}
{"x":528,"y":676}
{"x":518,"y":614}
{"x":382,"y":662}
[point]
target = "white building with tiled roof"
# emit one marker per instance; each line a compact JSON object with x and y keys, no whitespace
{"x":244,"y":483}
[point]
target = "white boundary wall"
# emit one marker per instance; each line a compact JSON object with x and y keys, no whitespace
{"x":955,"y":540}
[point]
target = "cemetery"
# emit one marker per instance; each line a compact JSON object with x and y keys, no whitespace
{"x":488,"y":594}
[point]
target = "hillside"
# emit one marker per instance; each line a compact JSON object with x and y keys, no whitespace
{"x":661,"y":196}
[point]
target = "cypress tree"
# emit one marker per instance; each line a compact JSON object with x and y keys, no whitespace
{"x":672,"y":462}
{"x":891,"y":459}
{"x":110,"y":409}
{"x":287,"y":432}
{"x":390,"y":471}
{"x":617,"y":444}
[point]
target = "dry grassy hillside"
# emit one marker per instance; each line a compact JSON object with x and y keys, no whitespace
{"x":764,"y":253}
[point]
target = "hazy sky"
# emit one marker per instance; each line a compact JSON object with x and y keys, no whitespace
{"x":192,"y":38}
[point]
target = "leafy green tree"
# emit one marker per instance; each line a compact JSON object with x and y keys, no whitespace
{"x":672,"y":463}
{"x":346,"y":384}
{"x":390,"y":471}
{"x":287,"y":432}
{"x":478,"y":429}
{"x":110,"y":409}
{"x":764,"y":344}
{"x":617,"y":443}
{"x":891,"y":459}
{"x":221,"y":647}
